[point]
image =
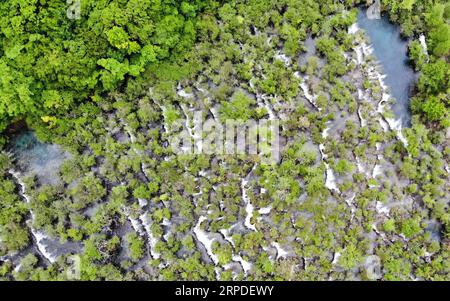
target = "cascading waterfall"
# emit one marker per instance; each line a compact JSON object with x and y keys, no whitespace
{"x":38,"y":236}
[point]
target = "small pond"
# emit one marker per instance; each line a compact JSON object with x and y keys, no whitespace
{"x":391,"y":50}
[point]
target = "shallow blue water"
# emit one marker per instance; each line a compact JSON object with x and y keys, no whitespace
{"x":35,"y":157}
{"x":391,"y":50}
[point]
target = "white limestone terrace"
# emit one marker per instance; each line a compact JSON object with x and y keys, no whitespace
{"x":246,"y":266}
{"x":423,"y":43}
{"x":203,"y":237}
{"x":269,"y":108}
{"x":281,"y":253}
{"x":249,"y":208}
{"x":311,"y":98}
{"x":375,"y":74}
{"x":351,"y":205}
{"x":192,"y":130}
{"x":361,"y":118}
{"x":369,"y":112}
{"x":336,"y":257}
{"x":283,"y":57}
{"x":227,"y":236}
{"x":330,"y":179}
{"x":265,"y":210}
{"x":142,"y":224}
{"x":146,"y":222}
{"x":38,"y":236}
{"x":138,"y":152}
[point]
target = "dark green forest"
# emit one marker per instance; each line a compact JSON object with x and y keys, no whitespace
{"x":50,"y":63}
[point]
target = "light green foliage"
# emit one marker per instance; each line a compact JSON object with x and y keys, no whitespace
{"x":13,"y":235}
{"x":343,"y":167}
{"x":351,"y":256}
{"x":439,"y":30}
{"x":410,"y":227}
{"x":389,"y":225}
{"x":135,"y":245}
{"x":417,"y":54}
{"x":239,"y":107}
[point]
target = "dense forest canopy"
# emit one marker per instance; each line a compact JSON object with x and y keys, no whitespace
{"x":48,"y":61}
